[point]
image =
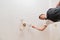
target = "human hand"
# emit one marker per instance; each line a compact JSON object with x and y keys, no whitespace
{"x":33,"y":26}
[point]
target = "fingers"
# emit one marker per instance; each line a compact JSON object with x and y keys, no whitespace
{"x":33,"y":26}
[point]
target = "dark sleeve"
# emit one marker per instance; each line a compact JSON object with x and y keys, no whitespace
{"x":53,"y":13}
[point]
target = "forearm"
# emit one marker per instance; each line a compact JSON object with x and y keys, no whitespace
{"x":41,"y":29}
{"x":58,"y":4}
